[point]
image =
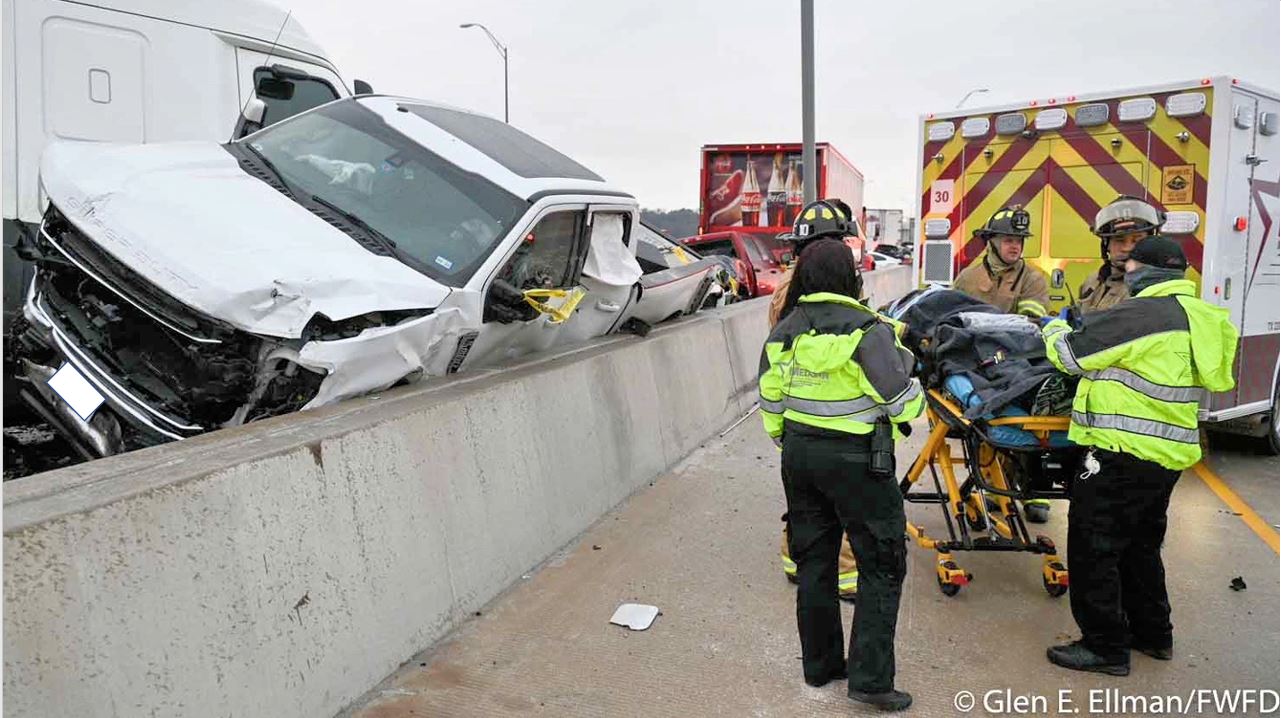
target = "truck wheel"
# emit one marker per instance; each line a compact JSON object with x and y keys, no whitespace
{"x":1272,"y":440}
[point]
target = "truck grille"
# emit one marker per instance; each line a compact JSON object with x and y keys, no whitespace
{"x":186,"y":366}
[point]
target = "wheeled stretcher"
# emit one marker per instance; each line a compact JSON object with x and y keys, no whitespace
{"x":1007,"y":459}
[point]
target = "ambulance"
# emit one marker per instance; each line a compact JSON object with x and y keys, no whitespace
{"x":1204,"y":151}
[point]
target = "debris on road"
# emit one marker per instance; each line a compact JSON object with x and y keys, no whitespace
{"x":1238,"y":584}
{"x":636,"y":616}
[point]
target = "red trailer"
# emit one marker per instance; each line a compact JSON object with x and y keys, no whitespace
{"x":758,"y":188}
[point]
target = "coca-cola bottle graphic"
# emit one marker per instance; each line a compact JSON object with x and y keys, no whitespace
{"x":776,"y":197}
{"x":751,"y":204}
{"x":795,"y":191}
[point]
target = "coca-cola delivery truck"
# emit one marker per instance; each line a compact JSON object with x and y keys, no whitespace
{"x":758,"y":189}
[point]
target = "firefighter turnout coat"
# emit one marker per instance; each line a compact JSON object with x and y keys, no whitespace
{"x":1103,"y":290}
{"x":1020,"y":289}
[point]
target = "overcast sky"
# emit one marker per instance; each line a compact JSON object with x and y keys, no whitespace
{"x":632,"y":89}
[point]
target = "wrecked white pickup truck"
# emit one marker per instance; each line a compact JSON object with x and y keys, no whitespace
{"x":182,"y":288}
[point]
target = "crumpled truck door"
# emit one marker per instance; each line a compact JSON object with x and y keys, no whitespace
{"x":549,"y":255}
{"x":610,"y":274}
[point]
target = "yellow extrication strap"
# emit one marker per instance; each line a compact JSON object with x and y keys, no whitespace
{"x":570,"y":299}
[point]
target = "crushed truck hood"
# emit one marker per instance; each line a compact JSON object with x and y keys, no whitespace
{"x":189,"y":220}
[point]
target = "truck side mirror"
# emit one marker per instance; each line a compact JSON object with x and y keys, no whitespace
{"x":361,"y":87}
{"x":251,"y":117}
{"x":255,"y":110}
{"x":1056,"y":279}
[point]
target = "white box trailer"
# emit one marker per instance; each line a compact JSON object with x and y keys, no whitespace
{"x":142,"y":71}
{"x":884,"y":226}
{"x":1205,"y":151}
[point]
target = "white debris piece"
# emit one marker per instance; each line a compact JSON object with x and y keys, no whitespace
{"x":636,"y":616}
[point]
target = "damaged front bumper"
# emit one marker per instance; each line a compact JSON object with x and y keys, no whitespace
{"x":160,"y":371}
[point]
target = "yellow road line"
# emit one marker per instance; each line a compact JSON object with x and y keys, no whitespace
{"x":1234,"y":502}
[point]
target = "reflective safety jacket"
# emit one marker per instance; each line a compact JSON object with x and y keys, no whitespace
{"x":1143,"y":365}
{"x":1103,"y":290}
{"x":1021,"y":289}
{"x":837,"y":366}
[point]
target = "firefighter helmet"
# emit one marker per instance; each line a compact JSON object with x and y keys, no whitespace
{"x":1125,"y":215}
{"x":821,"y":218}
{"x":1012,"y":221}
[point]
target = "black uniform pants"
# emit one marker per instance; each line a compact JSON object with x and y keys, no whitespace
{"x":830,"y":491}
{"x":1116,"y":524}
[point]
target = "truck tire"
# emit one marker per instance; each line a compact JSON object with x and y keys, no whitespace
{"x":1272,"y":440}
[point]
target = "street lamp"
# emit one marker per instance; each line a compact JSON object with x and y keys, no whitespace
{"x":975,"y":91}
{"x":502,"y":50}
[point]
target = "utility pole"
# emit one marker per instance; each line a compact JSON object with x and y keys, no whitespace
{"x":809,"y":155}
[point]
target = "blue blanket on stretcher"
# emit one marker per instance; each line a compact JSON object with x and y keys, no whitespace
{"x":960,"y":387}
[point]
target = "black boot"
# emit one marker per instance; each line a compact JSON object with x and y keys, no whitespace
{"x":1078,"y":657}
{"x":888,"y":701}
{"x":1159,"y":652}
{"x":839,"y":674}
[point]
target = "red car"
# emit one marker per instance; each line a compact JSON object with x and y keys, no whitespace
{"x":765,"y":258}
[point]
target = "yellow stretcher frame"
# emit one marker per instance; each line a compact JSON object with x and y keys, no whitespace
{"x":990,"y":503}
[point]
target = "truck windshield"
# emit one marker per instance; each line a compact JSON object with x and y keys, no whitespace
{"x":441,"y":220}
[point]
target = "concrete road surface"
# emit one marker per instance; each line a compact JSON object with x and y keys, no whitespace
{"x":702,"y":544}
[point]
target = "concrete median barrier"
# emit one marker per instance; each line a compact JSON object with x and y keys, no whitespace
{"x":283,"y":568}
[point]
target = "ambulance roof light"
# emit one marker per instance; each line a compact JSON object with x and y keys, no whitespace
{"x":1136,"y":109}
{"x":975,"y":127}
{"x":1011,"y":123}
{"x":1092,"y":115}
{"x":1051,"y":118}
{"x":941,"y":131}
{"x":1186,"y":104}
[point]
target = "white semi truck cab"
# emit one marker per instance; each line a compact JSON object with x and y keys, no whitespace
{"x":142,"y":71}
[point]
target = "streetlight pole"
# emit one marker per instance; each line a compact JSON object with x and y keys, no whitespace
{"x":502,"y":50}
{"x":975,"y":91}
{"x":809,"y":155}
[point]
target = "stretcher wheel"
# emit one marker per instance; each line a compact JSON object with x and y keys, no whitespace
{"x":976,"y":522}
{"x":949,"y":589}
{"x":1054,"y":589}
{"x":1054,"y":575}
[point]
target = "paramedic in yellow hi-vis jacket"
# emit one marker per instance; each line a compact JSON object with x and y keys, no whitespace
{"x":1003,"y":279}
{"x":824,"y":218}
{"x":834,"y":380}
{"x":1143,"y":365}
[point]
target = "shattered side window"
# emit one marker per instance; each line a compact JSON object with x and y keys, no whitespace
{"x":545,"y":257}
{"x":658,"y":250}
{"x":444,"y":221}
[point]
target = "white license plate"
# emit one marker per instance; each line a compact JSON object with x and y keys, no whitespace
{"x":76,"y":390}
